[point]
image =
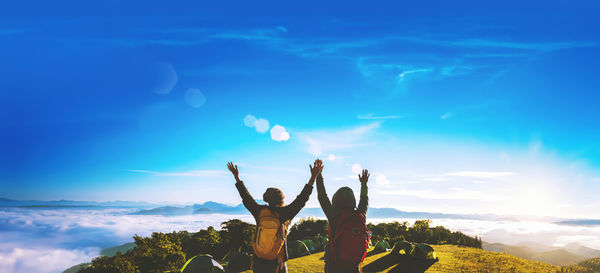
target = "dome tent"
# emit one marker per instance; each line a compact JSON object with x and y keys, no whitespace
{"x":381,"y":246}
{"x":297,"y":249}
{"x":403,"y":247}
{"x":310,"y":245}
{"x":203,"y":263}
{"x":424,"y":251}
{"x":404,"y":258}
{"x":320,"y":242}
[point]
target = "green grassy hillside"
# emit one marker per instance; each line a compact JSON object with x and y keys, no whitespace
{"x":453,"y":259}
{"x":111,"y":251}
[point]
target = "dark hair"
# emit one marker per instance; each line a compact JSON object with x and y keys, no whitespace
{"x":274,"y":197}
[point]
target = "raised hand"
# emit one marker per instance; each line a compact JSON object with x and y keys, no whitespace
{"x":365,"y":176}
{"x":234,"y":170}
{"x":316,"y":169}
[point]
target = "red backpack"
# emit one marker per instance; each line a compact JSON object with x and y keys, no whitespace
{"x":349,"y":247}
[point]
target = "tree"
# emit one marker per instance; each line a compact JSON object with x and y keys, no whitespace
{"x":116,"y":264}
{"x":307,"y":228}
{"x":237,"y":235}
{"x":205,"y":241}
{"x":159,"y":253}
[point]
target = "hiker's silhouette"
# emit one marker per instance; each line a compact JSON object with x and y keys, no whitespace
{"x":272,"y":220}
{"x":348,"y":234}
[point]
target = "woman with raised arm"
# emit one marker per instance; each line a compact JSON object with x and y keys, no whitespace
{"x":348,"y":234}
{"x":272,"y":221}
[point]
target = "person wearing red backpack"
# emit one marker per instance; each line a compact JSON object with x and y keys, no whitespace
{"x":348,"y":234}
{"x":272,"y":221}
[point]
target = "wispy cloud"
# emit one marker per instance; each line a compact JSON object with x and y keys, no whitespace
{"x":480,"y":174}
{"x":446,"y":115}
{"x":271,"y":168}
{"x":349,"y":177}
{"x":326,"y":141}
{"x":547,"y":46}
{"x":455,"y":194}
{"x":404,"y":73}
{"x":373,"y":116}
{"x":259,"y":34}
{"x":496,"y":44}
{"x":203,"y":173}
{"x":382,"y":180}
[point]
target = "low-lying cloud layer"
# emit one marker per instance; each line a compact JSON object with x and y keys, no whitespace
{"x":51,"y":240}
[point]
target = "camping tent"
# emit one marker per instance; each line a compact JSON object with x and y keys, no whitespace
{"x":297,"y":249}
{"x":320,"y":242}
{"x":424,"y":251}
{"x":202,"y":263}
{"x":237,"y":261}
{"x":403,"y":247}
{"x":381,"y":246}
{"x":310,"y":245}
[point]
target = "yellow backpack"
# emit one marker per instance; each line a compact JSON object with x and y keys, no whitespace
{"x":270,"y":235}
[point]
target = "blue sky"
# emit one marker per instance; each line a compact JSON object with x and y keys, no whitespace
{"x":458,"y":107}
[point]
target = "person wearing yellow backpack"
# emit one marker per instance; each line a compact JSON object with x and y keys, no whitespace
{"x":272,"y":221}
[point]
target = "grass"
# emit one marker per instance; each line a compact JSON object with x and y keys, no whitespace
{"x":452,"y":259}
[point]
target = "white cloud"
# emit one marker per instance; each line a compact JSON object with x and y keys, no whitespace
{"x":33,"y":240}
{"x":43,"y":260}
{"x":567,"y":239}
{"x":446,"y":115}
{"x":348,"y":177}
{"x":356,"y":168}
{"x":279,"y":133}
{"x":331,"y":157}
{"x":204,"y":173}
{"x":372,"y":116}
{"x":405,"y":73}
{"x":195,"y":98}
{"x":282,"y":28}
{"x":535,"y":146}
{"x":249,"y":121}
{"x":320,"y":142}
{"x":476,"y":174}
{"x":261,"y":125}
{"x":456,"y":194}
{"x":382,"y":180}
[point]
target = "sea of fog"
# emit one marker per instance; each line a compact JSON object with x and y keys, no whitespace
{"x":54,"y":239}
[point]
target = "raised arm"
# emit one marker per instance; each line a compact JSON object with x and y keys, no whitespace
{"x":247,"y":199}
{"x":364,"y":192}
{"x":323,"y":199}
{"x":293,"y":208}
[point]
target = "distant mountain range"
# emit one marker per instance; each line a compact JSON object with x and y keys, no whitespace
{"x":580,"y":222}
{"x":570,"y":254}
{"x":214,"y":207}
{"x":5,"y":202}
{"x":205,"y":208}
{"x":209,"y":207}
